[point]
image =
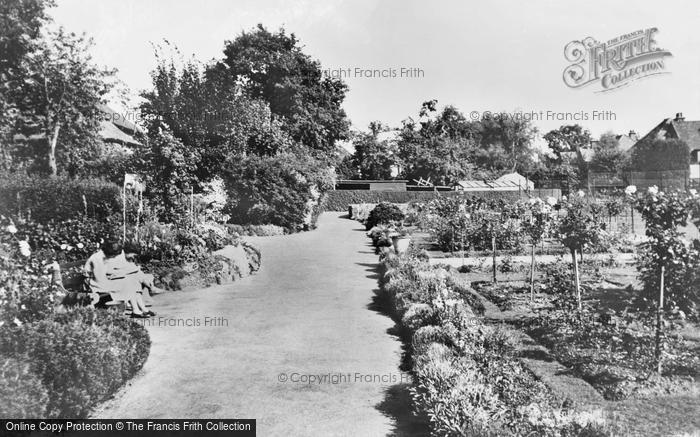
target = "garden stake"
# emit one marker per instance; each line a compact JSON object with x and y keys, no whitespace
{"x":493,"y":246}
{"x":576,"y":281}
{"x":659,"y":322}
{"x":532,"y":275}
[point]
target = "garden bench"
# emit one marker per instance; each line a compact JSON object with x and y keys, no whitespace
{"x":77,"y":286}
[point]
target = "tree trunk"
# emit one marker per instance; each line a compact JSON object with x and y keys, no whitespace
{"x":532,"y":275}
{"x":576,"y":281}
{"x":659,"y":324}
{"x":53,"y":169}
{"x":493,"y":247}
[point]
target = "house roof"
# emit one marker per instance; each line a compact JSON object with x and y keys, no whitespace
{"x":675,"y":128}
{"x":120,"y":120}
{"x":488,"y":185}
{"x":515,"y":178}
{"x":688,"y":131}
{"x":109,"y":132}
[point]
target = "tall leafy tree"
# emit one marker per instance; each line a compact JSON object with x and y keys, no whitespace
{"x":568,"y":138}
{"x":438,"y":146}
{"x":608,"y":157}
{"x":60,"y":92}
{"x":374,"y":158}
{"x":212,"y":122}
{"x":21,"y":22}
{"x":272,"y":66}
{"x":511,"y":136}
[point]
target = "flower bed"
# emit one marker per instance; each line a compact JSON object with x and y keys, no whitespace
{"x":467,"y":379}
{"x":65,"y":364}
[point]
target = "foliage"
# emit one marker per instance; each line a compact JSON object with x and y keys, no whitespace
{"x":279,"y":190}
{"x":436,"y":148}
{"x":21,"y":22}
{"x":467,"y":379}
{"x":255,"y":230}
{"x":384,"y":214}
{"x":274,"y":69}
{"x":81,"y":356}
{"x":568,"y":138}
{"x":58,"y":97}
{"x":581,"y":225}
{"x":608,"y":156}
{"x":614,"y":351}
{"x":43,"y":200}
{"x":461,"y":223}
{"x":660,"y":154}
{"x":666,"y":246}
{"x":22,"y":394}
{"x":373,"y":159}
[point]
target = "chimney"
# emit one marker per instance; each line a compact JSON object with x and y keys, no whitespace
{"x":633,"y":135}
{"x":679,"y":117}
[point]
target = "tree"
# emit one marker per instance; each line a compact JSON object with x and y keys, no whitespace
{"x":273,"y":189}
{"x":438,"y":148}
{"x":536,"y":226}
{"x":21,"y":22}
{"x":660,"y":155}
{"x":60,"y":94}
{"x":272,"y":66}
{"x":512,"y":135}
{"x":374,"y":159}
{"x":607,"y":155}
{"x":581,"y":226}
{"x":669,"y":263}
{"x":568,"y":138}
{"x":215,"y":121}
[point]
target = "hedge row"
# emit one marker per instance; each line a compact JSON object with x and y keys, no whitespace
{"x":467,"y":377}
{"x":64,"y":365}
{"x":57,"y":199}
{"x":339,"y":200}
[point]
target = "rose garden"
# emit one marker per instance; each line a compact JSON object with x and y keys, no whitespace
{"x":471,"y":299}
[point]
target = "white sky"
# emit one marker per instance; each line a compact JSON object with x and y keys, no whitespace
{"x":478,"y":56}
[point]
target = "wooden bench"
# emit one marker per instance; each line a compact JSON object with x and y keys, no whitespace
{"x":77,"y":287}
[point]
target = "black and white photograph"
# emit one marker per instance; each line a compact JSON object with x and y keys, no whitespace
{"x":349,"y":218}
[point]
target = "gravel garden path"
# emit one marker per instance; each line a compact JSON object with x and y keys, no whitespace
{"x":309,"y":313}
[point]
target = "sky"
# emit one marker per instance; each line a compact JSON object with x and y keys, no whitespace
{"x":498,"y":56}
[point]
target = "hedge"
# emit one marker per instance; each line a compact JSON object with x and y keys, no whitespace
{"x":80,"y":358}
{"x":339,"y":200}
{"x":61,"y":198}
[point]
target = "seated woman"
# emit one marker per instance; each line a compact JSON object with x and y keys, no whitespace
{"x":110,"y":272}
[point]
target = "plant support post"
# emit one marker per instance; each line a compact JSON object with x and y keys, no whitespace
{"x":659,"y":322}
{"x":532,"y":275}
{"x":577,"y":282}
{"x":493,"y":247}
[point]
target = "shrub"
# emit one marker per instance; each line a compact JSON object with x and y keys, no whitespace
{"x":256,"y":230}
{"x":384,"y":214}
{"x":467,"y":378}
{"x":81,"y":356}
{"x":278,"y":190}
{"x":57,"y":199}
{"x":22,"y":395}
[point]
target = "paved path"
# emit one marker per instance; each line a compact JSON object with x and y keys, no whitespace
{"x":309,"y":311}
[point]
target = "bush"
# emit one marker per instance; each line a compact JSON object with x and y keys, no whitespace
{"x":467,"y":378}
{"x":278,"y":190}
{"x":81,"y":356}
{"x":22,"y":395}
{"x":256,"y":230}
{"x":57,"y":199}
{"x":384,"y":214}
